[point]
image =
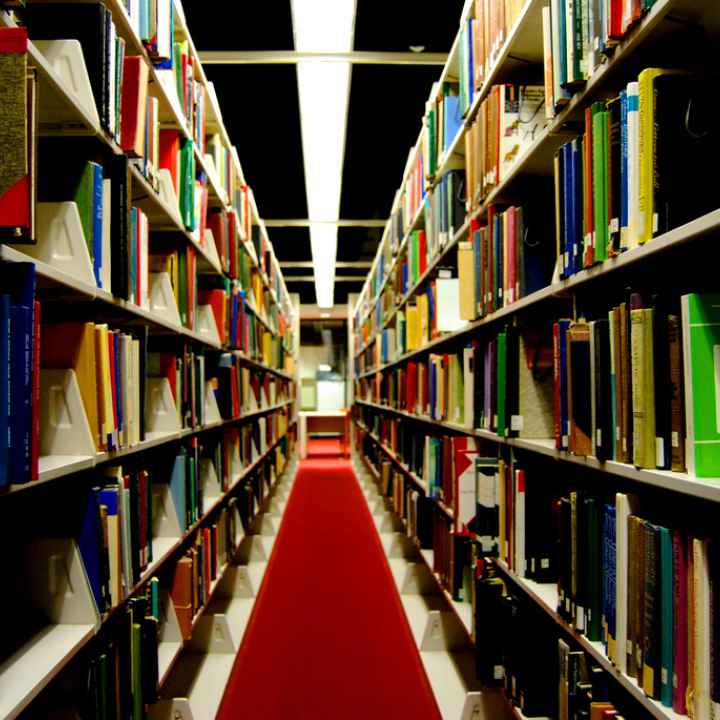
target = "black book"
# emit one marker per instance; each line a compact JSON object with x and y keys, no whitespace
{"x":687,"y":139}
{"x":613,"y":171}
{"x":663,"y":387}
{"x":564,"y":559}
{"x":478,"y":385}
{"x":603,"y":428}
{"x":149,"y":659}
{"x":512,"y":381}
{"x":86,"y":22}
{"x":489,"y":631}
{"x":117,"y":169}
{"x":424,"y":521}
{"x":135,"y":527}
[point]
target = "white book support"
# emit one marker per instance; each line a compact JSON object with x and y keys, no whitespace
{"x":265,"y":525}
{"x":212,"y":411}
{"x":64,"y":427}
{"x":61,"y":241}
{"x":66,"y":59}
{"x":166,"y":523}
{"x":211,"y":252}
{"x":211,"y":490}
{"x":206,"y":325}
{"x":162,"y":298}
{"x":170,"y":640}
{"x":212,"y":634}
{"x":168,"y":196}
{"x":56,"y":585}
{"x":161,"y":415}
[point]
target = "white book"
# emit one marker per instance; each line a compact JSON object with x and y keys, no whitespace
{"x":468,"y":388}
{"x":164,"y":29}
{"x":137,"y":407}
{"x":558,"y":49}
{"x":126,"y":380}
{"x":625,"y":505}
{"x":112,"y":75}
{"x":106,"y":263}
{"x":635,"y":219}
{"x":447,"y":312}
{"x":569,"y":40}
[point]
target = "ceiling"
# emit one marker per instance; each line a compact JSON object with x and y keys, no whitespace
{"x":261,"y":113}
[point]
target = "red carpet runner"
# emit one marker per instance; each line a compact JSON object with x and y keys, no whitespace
{"x":328,"y":637}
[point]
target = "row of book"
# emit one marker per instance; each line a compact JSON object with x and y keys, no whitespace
{"x":507,"y":123}
{"x":628,"y":386}
{"x":503,"y":259}
{"x":578,"y":37}
{"x":121,"y":674}
{"x":442,"y":122}
{"x":630,"y":176}
{"x":199,"y":568}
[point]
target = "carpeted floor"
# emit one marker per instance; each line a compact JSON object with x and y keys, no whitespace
{"x":328,"y":637}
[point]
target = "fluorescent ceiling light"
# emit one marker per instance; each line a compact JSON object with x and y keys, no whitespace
{"x":323,"y":367}
{"x":324,"y":91}
{"x":323,"y":243}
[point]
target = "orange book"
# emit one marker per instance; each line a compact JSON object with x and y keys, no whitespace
{"x":182,"y":595}
{"x":217,"y":299}
{"x":170,"y":155}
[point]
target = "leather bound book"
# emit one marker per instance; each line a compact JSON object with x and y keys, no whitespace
{"x":677,"y":415}
{"x":579,"y":389}
{"x":652,"y":650}
{"x":643,"y":391}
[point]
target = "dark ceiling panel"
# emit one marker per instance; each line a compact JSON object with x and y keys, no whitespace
{"x":267,"y":26}
{"x":260,"y":108}
{"x":357,"y":244}
{"x":291,"y":244}
{"x":387,"y":103}
{"x":397,"y":25}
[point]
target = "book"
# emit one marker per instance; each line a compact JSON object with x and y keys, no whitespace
{"x":699,"y":339}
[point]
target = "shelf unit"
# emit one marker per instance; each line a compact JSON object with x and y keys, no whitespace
{"x":380,"y":300}
{"x":65,"y":112}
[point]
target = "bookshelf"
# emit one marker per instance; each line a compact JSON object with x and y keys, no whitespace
{"x":417,"y":369}
{"x":197,"y":443}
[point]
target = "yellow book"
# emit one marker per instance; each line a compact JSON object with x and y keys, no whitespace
{"x":423,"y":319}
{"x":104,"y":383}
{"x":643,"y":388}
{"x":267,"y":348}
{"x":411,"y":323}
{"x":466,"y":278}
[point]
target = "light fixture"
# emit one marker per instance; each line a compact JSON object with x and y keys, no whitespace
{"x":324,"y":315}
{"x":324,"y":367}
{"x":324,"y":91}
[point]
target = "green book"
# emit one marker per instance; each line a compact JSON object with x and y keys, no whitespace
{"x":187,"y":184}
{"x":599,"y":172}
{"x":432,"y":140}
{"x":182,"y":290}
{"x":84,"y":198}
{"x":701,"y":359}
{"x":136,"y":673}
{"x":501,"y":378}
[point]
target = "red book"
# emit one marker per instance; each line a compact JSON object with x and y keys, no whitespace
{"x":218,"y":301}
{"x":35,"y":407}
{"x":615,"y":26}
{"x":133,"y":104}
{"x":680,"y":613}
{"x":16,"y":207}
{"x":170,"y":156}
{"x":489,"y":262}
{"x":422,"y":252}
{"x":202,"y":223}
{"x":233,"y":244}
{"x":411,"y":387}
{"x":589,"y":215}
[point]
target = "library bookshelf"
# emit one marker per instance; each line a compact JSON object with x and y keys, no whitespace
{"x":428,"y":364}
{"x":190,"y":428}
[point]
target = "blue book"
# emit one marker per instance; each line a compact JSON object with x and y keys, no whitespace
{"x":577,"y":205}
{"x":91,"y":544}
{"x":5,"y":379}
{"x":20,"y":281}
{"x":177,"y":490}
{"x":97,"y":217}
{"x":609,"y":570}
{"x":453,"y":117}
{"x":623,"y":169}
{"x":563,"y":326}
